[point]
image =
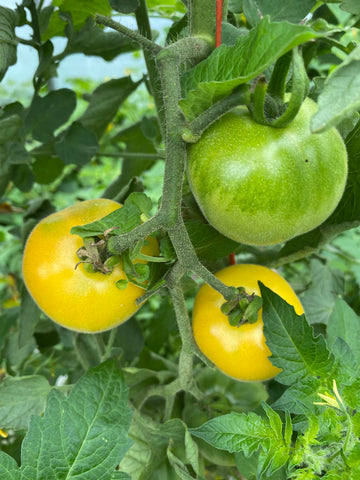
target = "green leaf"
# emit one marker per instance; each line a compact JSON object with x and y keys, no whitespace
{"x":179,"y":466}
{"x":8,"y":43}
{"x":151,"y":441}
{"x":141,"y":201}
{"x":29,"y":317}
{"x":124,"y":6}
{"x":22,"y":177}
{"x":344,"y":324}
{"x":120,"y":476}
{"x":47,"y":67}
{"x":248,"y":433}
{"x":9,"y":469}
{"x":351,"y":6}
{"x":235,"y":432}
{"x":77,"y":146}
{"x":230,"y":66}
{"x":92,"y":40}
{"x":136,"y":142}
{"x":47,"y":168}
{"x":48,"y":113}
{"x":291,"y":11}
{"x":8,"y":319}
{"x":125,"y":219}
{"x":208,"y":242}
{"x":291,"y":340}
{"x":349,"y":207}
{"x":9,"y":128}
{"x":83,"y":436}
{"x":340,"y":97}
{"x":346,"y":366}
{"x":104,"y":103}
{"x":79,"y":11}
{"x":20,"y":398}
{"x":18,"y":154}
{"x":319,"y":299}
{"x":297,"y":396}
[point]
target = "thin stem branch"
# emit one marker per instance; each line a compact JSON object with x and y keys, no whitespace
{"x":186,"y":374}
{"x":194,"y":130}
{"x":187,"y":257}
{"x":136,"y":37}
{"x":143,"y":23}
{"x":132,"y":155}
{"x":30,"y":43}
{"x":35,"y":23}
{"x":122,"y":242}
{"x":109,"y":345}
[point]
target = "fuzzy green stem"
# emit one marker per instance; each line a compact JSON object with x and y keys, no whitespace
{"x":99,"y":345}
{"x":35,"y":23}
{"x":119,"y":244}
{"x":80,"y":352}
{"x":258,"y":103}
{"x":142,"y":19}
{"x":186,"y":375}
{"x":202,"y":19}
{"x":194,"y":130}
{"x":277,"y":84}
{"x":300,"y":84}
{"x":130,"y":155}
{"x":109,"y":345}
{"x":136,"y":37}
{"x":188,"y":259}
{"x":175,"y":147}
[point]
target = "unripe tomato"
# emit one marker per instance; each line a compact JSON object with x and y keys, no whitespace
{"x":73,"y":297}
{"x":240,"y":352}
{"x":260,"y":185}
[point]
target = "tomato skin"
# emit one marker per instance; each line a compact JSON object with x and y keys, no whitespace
{"x":74,"y":298}
{"x":260,"y":185}
{"x":240,"y":352}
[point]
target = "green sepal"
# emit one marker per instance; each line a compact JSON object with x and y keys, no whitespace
{"x":121,"y":284}
{"x":251,"y":313}
{"x":142,"y":272}
{"x":112,"y":261}
{"x":235,"y":318}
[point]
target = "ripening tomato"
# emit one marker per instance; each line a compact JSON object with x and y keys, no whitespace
{"x":240,"y":351}
{"x":260,"y":185}
{"x":73,"y":297}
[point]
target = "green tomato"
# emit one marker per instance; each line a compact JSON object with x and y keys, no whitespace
{"x":260,"y":185}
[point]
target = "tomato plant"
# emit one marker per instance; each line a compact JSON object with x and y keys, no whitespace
{"x":261,"y":185}
{"x":111,"y":109}
{"x":239,"y":351}
{"x":63,"y":288}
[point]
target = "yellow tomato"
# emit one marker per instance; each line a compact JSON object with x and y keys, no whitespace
{"x":73,"y":297}
{"x":240,"y":352}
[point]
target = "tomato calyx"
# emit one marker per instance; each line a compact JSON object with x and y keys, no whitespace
{"x":242,"y":308}
{"x":271,"y":106}
{"x":95,"y":256}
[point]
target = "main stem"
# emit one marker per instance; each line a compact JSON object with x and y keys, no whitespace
{"x":175,"y":147}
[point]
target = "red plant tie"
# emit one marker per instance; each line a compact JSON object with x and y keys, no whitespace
{"x":219,"y":12}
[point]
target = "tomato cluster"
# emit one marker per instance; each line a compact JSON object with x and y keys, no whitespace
{"x":256,"y":184}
